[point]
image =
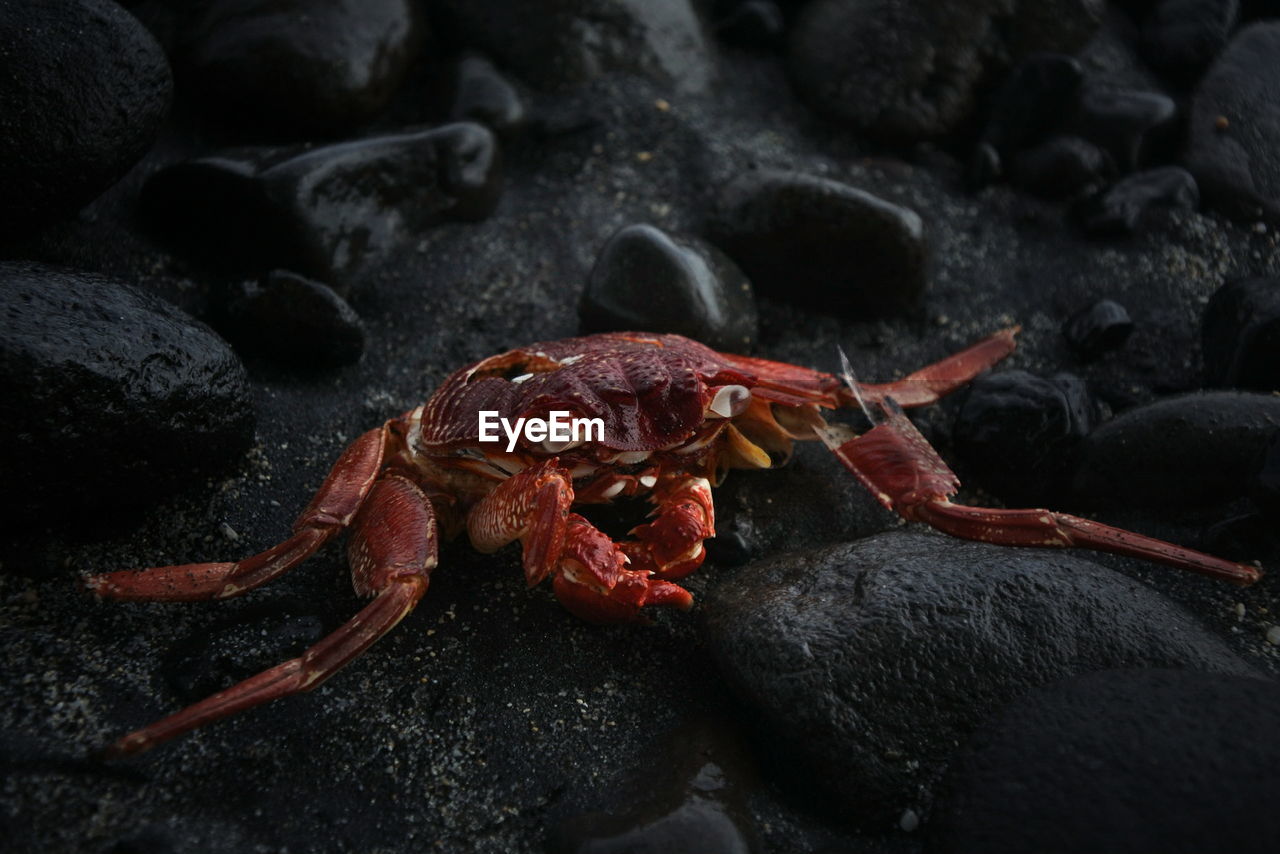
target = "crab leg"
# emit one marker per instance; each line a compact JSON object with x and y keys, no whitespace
{"x":392,"y":552}
{"x":671,"y":545}
{"x":906,"y":474}
{"x":331,"y":510}
{"x":589,"y":571}
{"x":931,"y":382}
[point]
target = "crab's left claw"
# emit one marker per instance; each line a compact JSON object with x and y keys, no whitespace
{"x":592,"y":580}
{"x":589,"y":572}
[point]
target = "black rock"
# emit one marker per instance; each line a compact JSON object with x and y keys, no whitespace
{"x":1125,"y":761}
{"x":1031,"y":101}
{"x":751,"y":23}
{"x":1061,"y":166}
{"x":1133,"y":127}
{"x":1233,"y":145}
{"x":688,"y":797}
{"x":908,"y":71}
{"x":482,"y":94}
{"x":264,"y":62}
{"x":1265,"y":490}
{"x":322,"y":211}
{"x":109,"y":397}
{"x":865,"y":664}
{"x":728,"y":549}
{"x":1018,"y":433}
{"x":1193,"y":450}
{"x":1243,"y":537}
{"x":294,"y":320}
{"x":1098,"y":329}
{"x":1181,"y":37}
{"x":564,"y":43}
{"x":821,"y":243}
{"x":985,"y":166}
{"x":1121,"y":209}
{"x":83,"y":88}
{"x":1240,"y":335}
{"x":648,"y":280}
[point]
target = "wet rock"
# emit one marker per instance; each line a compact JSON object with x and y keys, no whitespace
{"x":109,"y":397}
{"x":1265,"y":490}
{"x":1019,"y":432}
{"x":1030,"y":102}
{"x":984,"y":167}
{"x":294,"y":320}
{"x":908,"y":71}
{"x":1133,"y":127}
{"x":810,"y":501}
{"x":1186,"y":451}
{"x":689,"y":796}
{"x":1098,"y":329}
{"x":822,"y":243}
{"x":483,"y":94}
{"x":646,"y":279}
{"x":1243,"y":537}
{"x":262,"y":62}
{"x":1181,"y":37}
{"x":568,"y":42}
{"x":1126,"y":761}
{"x":1240,"y":335}
{"x":1121,"y":209}
{"x":1233,"y":145}
{"x":751,"y":23}
{"x":324,"y":210}
{"x":728,"y":548}
{"x":83,"y":88}
{"x":1061,"y":166}
{"x":865,"y":664}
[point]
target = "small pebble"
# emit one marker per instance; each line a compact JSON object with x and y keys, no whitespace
{"x":1181,"y":37}
{"x":1097,"y":329}
{"x":250,"y":209}
{"x":1240,"y":335}
{"x":1031,"y":101}
{"x":1273,"y":635}
{"x":751,"y":24}
{"x":483,"y":94}
{"x":647,"y":279}
{"x":294,"y":320}
{"x":1061,"y":166}
{"x":1237,"y":164}
{"x":822,"y":243}
{"x":1017,"y":433}
{"x":1131,"y":125}
{"x":1121,"y":209}
{"x":265,"y":63}
{"x":910,"y":821}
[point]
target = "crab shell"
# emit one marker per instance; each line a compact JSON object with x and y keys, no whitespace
{"x":654,"y":393}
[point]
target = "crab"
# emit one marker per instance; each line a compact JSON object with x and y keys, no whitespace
{"x":677,"y":416}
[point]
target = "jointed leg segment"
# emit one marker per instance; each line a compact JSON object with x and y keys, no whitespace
{"x":393,"y":550}
{"x":332,"y":509}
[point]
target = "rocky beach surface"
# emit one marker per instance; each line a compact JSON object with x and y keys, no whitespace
{"x":237,"y":235}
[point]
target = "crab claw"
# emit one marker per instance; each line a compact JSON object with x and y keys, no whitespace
{"x":592,"y":580}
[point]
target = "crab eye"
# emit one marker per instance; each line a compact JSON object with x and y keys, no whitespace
{"x":729,"y":400}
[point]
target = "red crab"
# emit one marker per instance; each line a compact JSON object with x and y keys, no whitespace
{"x":677,"y":416}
